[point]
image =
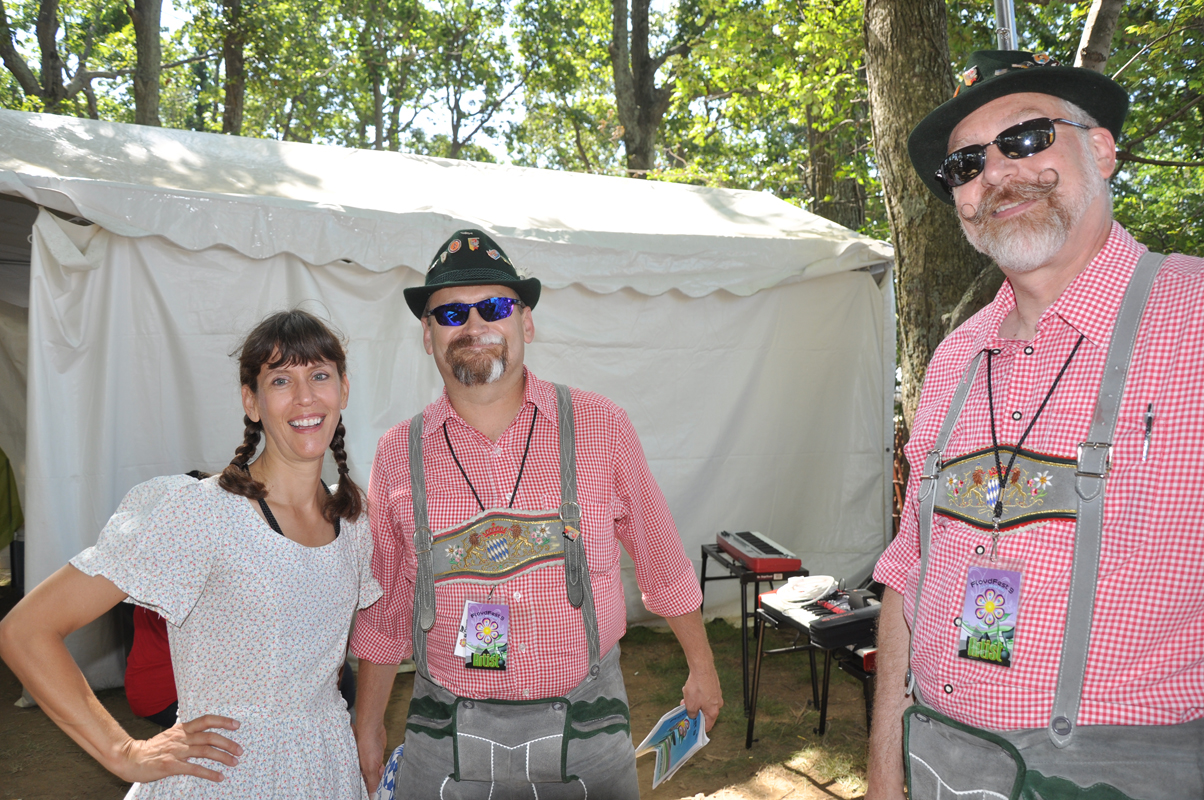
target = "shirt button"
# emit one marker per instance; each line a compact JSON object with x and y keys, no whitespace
{"x":1028,"y":351}
{"x":1016,"y":415}
{"x":996,"y":351}
{"x":980,"y":549}
{"x":948,"y":688}
{"x":957,"y":622}
{"x":526,"y":692}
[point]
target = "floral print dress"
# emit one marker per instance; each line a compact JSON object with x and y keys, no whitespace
{"x":258,"y":629}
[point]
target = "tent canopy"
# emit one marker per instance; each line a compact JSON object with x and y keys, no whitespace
{"x":384,"y":210}
{"x":748,"y":340}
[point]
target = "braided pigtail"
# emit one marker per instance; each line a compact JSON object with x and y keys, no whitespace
{"x":347,"y":501}
{"x":236,"y":478}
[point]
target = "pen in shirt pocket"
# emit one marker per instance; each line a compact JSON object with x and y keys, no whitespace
{"x":1149,"y":431}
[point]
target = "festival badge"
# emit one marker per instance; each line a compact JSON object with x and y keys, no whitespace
{"x":454,"y":247}
{"x":486,"y":631}
{"x":990,"y":612}
{"x":473,"y":243}
{"x":494,"y":254}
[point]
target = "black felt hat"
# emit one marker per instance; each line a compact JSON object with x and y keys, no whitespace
{"x":995,"y":73}
{"x":471,"y":258}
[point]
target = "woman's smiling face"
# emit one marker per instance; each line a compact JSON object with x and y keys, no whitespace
{"x":299,"y":407}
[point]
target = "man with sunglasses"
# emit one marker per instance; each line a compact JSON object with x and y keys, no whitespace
{"x":498,"y":514}
{"x":1032,"y":640}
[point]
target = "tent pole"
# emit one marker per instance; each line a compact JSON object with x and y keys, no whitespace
{"x":1005,"y":24}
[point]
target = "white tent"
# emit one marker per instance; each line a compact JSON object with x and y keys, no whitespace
{"x":751,"y":343}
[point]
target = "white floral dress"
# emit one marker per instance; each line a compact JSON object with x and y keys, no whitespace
{"x":258,"y":629}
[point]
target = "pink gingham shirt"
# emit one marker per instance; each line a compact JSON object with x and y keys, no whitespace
{"x":1146,"y":659}
{"x":620,"y":502}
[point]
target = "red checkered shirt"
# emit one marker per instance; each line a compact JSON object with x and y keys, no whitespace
{"x":1146,"y":659}
{"x":620,"y":502}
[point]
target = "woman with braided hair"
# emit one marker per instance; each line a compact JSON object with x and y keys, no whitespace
{"x":258,"y":572}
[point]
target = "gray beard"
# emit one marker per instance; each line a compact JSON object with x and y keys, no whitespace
{"x":1023,"y":245}
{"x":478,"y":369}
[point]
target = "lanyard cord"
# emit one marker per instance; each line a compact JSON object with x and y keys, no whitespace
{"x":521,"y":465}
{"x":1001,"y":476}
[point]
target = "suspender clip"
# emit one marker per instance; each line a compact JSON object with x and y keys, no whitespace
{"x":935,"y":463}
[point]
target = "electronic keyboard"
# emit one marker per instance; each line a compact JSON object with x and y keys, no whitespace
{"x":758,"y":552}
{"x":830,"y":622}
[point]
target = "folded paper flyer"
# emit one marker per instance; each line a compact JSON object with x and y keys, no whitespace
{"x":675,"y":738}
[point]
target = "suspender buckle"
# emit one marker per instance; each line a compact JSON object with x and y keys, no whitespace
{"x":570,"y":512}
{"x":422,"y":535}
{"x":1100,"y":454}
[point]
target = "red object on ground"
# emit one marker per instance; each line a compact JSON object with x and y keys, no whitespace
{"x":150,"y":683}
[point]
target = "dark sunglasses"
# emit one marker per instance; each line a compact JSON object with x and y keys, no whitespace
{"x":491,"y":310}
{"x":1019,"y":141}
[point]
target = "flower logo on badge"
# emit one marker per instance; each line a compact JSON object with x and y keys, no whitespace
{"x":990,"y":606}
{"x":454,"y":247}
{"x":488,"y":631}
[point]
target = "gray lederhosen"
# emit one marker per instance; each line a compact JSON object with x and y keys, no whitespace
{"x":575,"y":746}
{"x":949,"y":759}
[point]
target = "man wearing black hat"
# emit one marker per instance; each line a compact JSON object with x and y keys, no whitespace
{"x":497,"y":516}
{"x":1031,"y":641}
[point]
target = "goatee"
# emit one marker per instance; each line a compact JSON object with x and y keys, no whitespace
{"x":475,"y":368}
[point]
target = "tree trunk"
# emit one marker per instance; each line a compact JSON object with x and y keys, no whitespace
{"x":53,"y":90}
{"x":640,"y":102}
{"x":233,"y":54}
{"x":1096,"y":43}
{"x":908,"y":70}
{"x":841,"y":201}
{"x":147,"y":18}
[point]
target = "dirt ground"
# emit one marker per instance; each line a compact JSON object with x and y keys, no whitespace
{"x":788,"y":761}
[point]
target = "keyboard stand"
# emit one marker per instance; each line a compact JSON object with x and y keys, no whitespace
{"x":844,"y":657}
{"x":737,"y":571}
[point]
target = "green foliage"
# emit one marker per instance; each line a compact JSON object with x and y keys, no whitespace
{"x":775,"y":100}
{"x":94,"y":35}
{"x":570,"y":120}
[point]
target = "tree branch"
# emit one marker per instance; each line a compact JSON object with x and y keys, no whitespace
{"x":1157,"y":128}
{"x":1140,"y":52}
{"x":1125,"y":155}
{"x":13,"y":60}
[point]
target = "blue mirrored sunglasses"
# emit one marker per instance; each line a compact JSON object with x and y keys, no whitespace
{"x":491,"y":310}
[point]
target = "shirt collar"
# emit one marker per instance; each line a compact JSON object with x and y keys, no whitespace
{"x":540,"y":394}
{"x":1089,"y":304}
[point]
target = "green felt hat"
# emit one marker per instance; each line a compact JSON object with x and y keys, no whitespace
{"x":995,"y":73}
{"x":471,"y":258}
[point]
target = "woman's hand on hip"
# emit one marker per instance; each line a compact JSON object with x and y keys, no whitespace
{"x":172,"y":751}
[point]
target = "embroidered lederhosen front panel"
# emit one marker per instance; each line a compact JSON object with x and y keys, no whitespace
{"x":498,"y":544}
{"x":1037,"y":487}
